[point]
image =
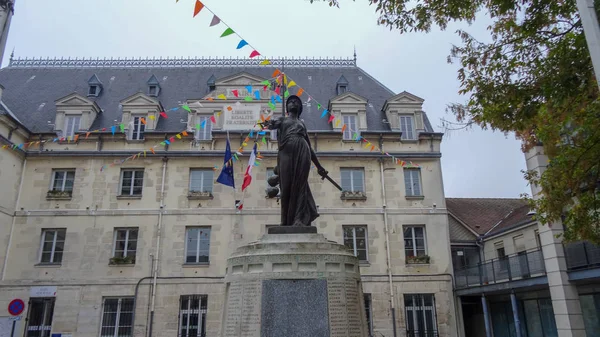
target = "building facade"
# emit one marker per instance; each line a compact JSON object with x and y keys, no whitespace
{"x":109,"y":234}
{"x":505,"y":273}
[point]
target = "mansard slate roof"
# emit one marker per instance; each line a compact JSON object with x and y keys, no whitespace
{"x":489,"y":216}
{"x":33,"y":86}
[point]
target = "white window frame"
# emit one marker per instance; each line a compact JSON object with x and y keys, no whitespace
{"x":410,"y":189}
{"x":71,"y":131}
{"x":418,"y":307}
{"x":353,"y":171}
{"x":53,"y":250}
{"x":139,"y":133}
{"x":64,"y":179}
{"x":155,"y":87}
{"x":132,"y":182}
{"x":408,"y":132}
{"x":117,"y":317}
{"x":203,"y":171}
{"x":414,"y":239}
{"x":204,"y":133}
{"x":197,"y":248}
{"x":354,"y":246}
{"x":201,"y":311}
{"x":127,"y":240}
{"x":48,"y":305}
{"x":350,"y":120}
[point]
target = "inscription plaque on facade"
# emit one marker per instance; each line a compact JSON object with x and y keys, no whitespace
{"x":234,"y":309}
{"x":241,"y":117}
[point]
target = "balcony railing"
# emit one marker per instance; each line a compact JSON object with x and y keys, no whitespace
{"x":513,"y":267}
{"x":582,"y":255}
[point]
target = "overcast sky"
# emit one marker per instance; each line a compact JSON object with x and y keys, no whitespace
{"x":476,"y":163}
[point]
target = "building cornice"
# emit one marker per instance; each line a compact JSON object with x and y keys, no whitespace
{"x":177,"y":62}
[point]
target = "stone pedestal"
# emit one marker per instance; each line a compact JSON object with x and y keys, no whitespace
{"x":293,"y":285}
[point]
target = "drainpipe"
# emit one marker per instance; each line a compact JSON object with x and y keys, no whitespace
{"x":157,"y":249}
{"x":387,"y":247}
{"x":515,"y":310}
{"x":12,"y":226}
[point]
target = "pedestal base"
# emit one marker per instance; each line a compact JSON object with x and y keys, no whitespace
{"x":292,"y":230}
{"x":293,"y":285}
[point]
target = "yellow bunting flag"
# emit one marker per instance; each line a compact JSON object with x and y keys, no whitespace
{"x":368,"y":144}
{"x":244,"y":144}
{"x":144,"y":153}
{"x":222,"y":96}
{"x":178,"y":136}
{"x":265,"y":62}
{"x":291,"y":84}
{"x":337,"y":123}
{"x":151,"y":117}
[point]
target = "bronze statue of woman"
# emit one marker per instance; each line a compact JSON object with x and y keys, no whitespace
{"x":294,"y":158}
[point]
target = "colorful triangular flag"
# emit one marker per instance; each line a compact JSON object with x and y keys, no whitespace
{"x":227,"y":32}
{"x":198,"y":7}
{"x":215,"y":21}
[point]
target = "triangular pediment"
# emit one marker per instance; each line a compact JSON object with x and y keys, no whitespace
{"x":349,"y":97}
{"x":139,"y":99}
{"x":73,"y":99}
{"x":405,"y":97}
{"x":242,"y":79}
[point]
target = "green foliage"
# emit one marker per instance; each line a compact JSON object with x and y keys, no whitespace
{"x":534,"y":77}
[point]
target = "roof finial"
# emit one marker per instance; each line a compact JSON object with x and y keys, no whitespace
{"x":12,"y":55}
{"x":354,"y":54}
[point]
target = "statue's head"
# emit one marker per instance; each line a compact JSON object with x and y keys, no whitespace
{"x":294,"y":105}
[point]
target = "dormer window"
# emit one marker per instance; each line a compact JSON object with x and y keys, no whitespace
{"x":72,"y":123}
{"x":153,"y":86}
{"x":95,"y":86}
{"x":137,"y":126}
{"x":211,"y":83}
{"x":407,"y":127}
{"x":341,"y":85}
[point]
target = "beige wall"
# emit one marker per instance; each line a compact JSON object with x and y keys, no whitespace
{"x":507,"y":239}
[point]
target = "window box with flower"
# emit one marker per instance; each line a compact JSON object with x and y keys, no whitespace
{"x":422,"y":259}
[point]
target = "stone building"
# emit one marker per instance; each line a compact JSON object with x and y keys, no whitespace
{"x":507,"y":270}
{"x":97,"y":245}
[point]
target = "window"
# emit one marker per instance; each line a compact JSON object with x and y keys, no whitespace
{"x":137,"y":128}
{"x":201,"y":180}
{"x":355,"y":239}
{"x":500,"y":253}
{"x":71,"y":125}
{"x":350,"y":121}
{"x":519,"y":242}
{"x":192,"y":315}
{"x":369,"y":313}
{"x":197,"y":245}
{"x":62,"y":180}
{"x":39,"y":319}
{"x":412,"y":182}
{"x":93,"y":90}
{"x":353,"y":179}
{"x":152,"y":90}
{"x":204,"y":128}
{"x":132,"y":182}
{"x":117,"y":317}
{"x":464,"y":257}
{"x":414,"y":241}
{"x":341,"y":89}
{"x":53,"y":245}
{"x":125,"y":242}
{"x":420,"y":315}
{"x":407,"y":127}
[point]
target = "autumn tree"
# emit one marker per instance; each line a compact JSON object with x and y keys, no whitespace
{"x":534,"y":77}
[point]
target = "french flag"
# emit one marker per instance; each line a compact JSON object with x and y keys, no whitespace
{"x":248,"y":174}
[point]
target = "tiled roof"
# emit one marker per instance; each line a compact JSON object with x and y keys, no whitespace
{"x":32,"y":89}
{"x":487,"y":216}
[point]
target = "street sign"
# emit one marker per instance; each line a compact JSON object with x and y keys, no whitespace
{"x":45,"y":291}
{"x":15,"y":318}
{"x":16,"y":307}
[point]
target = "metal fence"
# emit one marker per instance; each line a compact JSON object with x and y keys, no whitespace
{"x":517,"y":266}
{"x":582,"y":255}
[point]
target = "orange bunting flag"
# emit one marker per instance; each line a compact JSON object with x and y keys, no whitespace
{"x":229,"y":108}
{"x":184,"y":133}
{"x":372,"y":147}
{"x":87,"y":134}
{"x":254,"y":54}
{"x":210,"y":99}
{"x":344,"y":128}
{"x":76,"y":137}
{"x":143,"y":120}
{"x":152,"y":150}
{"x":276,"y":72}
{"x":262,"y":118}
{"x":198,"y":7}
{"x":300,"y":92}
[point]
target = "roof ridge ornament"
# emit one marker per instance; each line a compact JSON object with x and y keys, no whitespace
{"x":178,"y":62}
